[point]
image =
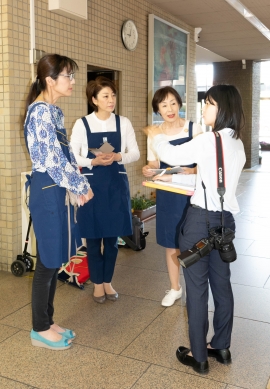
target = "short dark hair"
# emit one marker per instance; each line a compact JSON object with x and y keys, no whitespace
{"x":95,"y":86}
{"x":230,"y":108}
{"x":50,"y":65}
{"x":161,"y":94}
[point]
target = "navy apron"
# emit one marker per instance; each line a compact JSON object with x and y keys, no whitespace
{"x":48,"y":210}
{"x":171,"y":207}
{"x":108,"y":214}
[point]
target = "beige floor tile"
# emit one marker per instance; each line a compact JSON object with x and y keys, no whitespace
{"x":79,"y":367}
{"x":247,"y":302}
{"x":249,"y":271}
{"x":250,"y":349}
{"x":235,"y":387}
{"x":162,"y":337}
{"x":250,"y":355}
{"x":111,"y":326}
{"x":10,"y":384}
{"x":21,"y":318}
{"x":241,"y":244}
{"x":161,"y":378}
{"x":17,"y":292}
{"x":267,"y":284}
{"x":149,"y":284}
{"x":6,"y":332}
{"x":152,"y":257}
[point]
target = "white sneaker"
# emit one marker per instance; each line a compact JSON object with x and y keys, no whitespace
{"x":171,"y":296}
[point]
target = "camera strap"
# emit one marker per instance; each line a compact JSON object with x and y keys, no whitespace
{"x":221,"y":189}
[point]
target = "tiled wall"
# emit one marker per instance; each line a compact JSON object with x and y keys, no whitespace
{"x":97,"y":42}
{"x":248,"y":82}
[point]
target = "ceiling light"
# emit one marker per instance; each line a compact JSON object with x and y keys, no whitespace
{"x":250,"y":17}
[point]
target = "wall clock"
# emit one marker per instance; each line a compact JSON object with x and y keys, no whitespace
{"x":129,"y":35}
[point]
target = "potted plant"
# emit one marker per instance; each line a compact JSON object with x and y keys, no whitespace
{"x":142,"y":207}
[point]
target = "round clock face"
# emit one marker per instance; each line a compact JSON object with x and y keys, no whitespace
{"x":129,"y":35}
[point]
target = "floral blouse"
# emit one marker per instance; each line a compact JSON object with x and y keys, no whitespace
{"x":46,"y":152}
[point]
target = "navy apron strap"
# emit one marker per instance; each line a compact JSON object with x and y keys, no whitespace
{"x":117,"y":119}
{"x":88,"y":131}
{"x":190,"y":129}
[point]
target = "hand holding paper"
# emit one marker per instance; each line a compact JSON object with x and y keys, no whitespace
{"x":106,"y":148}
{"x":103,"y":159}
{"x":165,"y":177}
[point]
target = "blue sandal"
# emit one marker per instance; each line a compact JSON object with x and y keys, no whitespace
{"x":68,"y":334}
{"x":39,"y":341}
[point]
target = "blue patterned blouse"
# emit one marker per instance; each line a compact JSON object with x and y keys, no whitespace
{"x":46,"y":152}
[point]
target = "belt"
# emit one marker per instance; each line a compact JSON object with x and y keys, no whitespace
{"x":196,"y":206}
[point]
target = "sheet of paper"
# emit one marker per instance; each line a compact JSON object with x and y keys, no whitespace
{"x":105,"y":148}
{"x":173,"y":170}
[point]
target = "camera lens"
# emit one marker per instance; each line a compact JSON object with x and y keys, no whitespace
{"x":227,"y":252}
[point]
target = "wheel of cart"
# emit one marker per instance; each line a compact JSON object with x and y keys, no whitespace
{"x":24,"y":261}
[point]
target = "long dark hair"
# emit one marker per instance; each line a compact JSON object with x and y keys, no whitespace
{"x":94,"y":87}
{"x":230,"y":108}
{"x":51,"y":65}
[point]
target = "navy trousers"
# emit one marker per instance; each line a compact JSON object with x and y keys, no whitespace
{"x":101,"y":264}
{"x":209,"y":269}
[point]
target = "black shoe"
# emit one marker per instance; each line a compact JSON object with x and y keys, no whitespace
{"x":199,"y":367}
{"x":222,"y":356}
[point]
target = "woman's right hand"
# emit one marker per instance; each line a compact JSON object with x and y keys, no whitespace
{"x":103,"y":159}
{"x":83,"y":199}
{"x":146,"y":171}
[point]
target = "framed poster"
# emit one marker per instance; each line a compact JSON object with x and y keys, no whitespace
{"x":167,"y":62}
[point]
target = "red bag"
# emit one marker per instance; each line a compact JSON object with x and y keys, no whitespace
{"x":75,"y":272}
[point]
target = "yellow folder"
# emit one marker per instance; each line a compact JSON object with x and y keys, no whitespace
{"x":170,"y":187}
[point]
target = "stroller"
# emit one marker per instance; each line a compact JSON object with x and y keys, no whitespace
{"x":24,"y":262}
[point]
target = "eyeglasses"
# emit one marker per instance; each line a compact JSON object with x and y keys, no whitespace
{"x":71,"y":76}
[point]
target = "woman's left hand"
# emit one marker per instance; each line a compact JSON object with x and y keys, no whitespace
{"x":164,"y":177}
{"x":189,"y":170}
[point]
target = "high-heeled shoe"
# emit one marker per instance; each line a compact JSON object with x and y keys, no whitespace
{"x":68,"y":334}
{"x":38,"y":341}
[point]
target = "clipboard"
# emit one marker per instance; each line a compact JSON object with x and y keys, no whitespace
{"x":169,"y":170}
{"x":187,"y":190}
{"x":106,"y":148}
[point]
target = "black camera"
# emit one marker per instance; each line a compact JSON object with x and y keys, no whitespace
{"x":219,"y":238}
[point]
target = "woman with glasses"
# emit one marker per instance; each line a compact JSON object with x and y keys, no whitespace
{"x":108,"y":216}
{"x":54,"y":173}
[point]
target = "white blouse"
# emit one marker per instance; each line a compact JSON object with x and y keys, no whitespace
{"x":202,"y":150}
{"x":129,"y":148}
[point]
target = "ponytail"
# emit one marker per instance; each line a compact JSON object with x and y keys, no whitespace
{"x":35,"y":90}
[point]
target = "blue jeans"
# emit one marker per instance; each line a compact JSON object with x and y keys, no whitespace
{"x":210,"y":269}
